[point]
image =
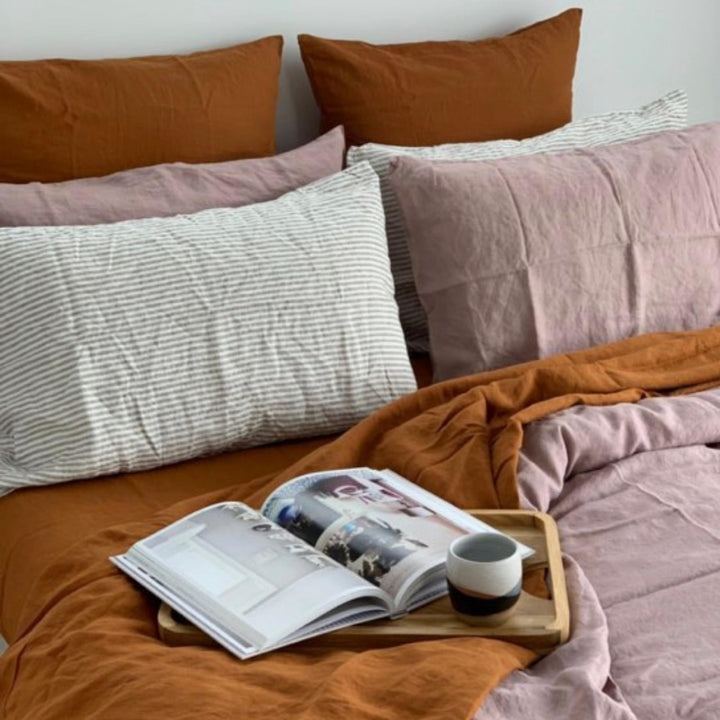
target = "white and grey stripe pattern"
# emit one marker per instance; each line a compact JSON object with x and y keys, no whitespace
{"x":146,"y":342}
{"x":667,"y":113}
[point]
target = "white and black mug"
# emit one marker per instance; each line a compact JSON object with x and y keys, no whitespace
{"x":484,"y":576}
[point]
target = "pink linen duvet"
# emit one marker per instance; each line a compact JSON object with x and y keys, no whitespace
{"x":635,"y":490}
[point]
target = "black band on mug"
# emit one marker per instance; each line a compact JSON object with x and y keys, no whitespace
{"x":472,"y":605}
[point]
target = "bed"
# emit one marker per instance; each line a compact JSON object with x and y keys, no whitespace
{"x":569,"y":371}
{"x":81,"y":611}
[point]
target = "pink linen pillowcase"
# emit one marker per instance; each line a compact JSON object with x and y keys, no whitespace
{"x":170,"y":189}
{"x":522,"y":258}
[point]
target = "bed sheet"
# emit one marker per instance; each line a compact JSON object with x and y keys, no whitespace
{"x":39,"y":524}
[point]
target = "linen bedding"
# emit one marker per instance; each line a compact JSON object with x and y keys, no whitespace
{"x":636,"y":493}
{"x":525,"y":257}
{"x":131,"y":345}
{"x":87,"y":645}
{"x":665,"y":113}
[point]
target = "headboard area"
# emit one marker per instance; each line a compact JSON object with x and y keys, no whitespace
{"x":630,"y":53}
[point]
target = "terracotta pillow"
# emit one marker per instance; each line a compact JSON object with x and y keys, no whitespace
{"x":428,"y":93}
{"x":171,"y":189}
{"x":65,"y":119}
{"x":526,"y":257}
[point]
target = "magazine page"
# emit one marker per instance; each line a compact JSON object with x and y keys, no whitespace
{"x":442,"y":507}
{"x":366,"y":521}
{"x":246,"y":574}
{"x":350,"y":613}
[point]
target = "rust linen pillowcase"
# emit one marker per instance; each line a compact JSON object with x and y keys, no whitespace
{"x":171,"y":189}
{"x":66,"y":119}
{"x":522,"y":258}
{"x":428,"y":93}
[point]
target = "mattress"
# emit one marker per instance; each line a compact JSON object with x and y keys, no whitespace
{"x":39,"y":524}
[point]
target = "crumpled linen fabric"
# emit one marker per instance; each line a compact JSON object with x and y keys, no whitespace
{"x":527,"y":257}
{"x":142,"y":343}
{"x":635,"y":490}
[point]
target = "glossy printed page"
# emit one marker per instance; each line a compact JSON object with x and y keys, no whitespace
{"x":375,"y":523}
{"x":246,"y":572}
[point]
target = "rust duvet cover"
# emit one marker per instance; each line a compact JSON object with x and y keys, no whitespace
{"x":86,"y":645}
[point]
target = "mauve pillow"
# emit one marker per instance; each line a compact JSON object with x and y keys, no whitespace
{"x":666,"y":113}
{"x":521,"y":258}
{"x":172,"y":189}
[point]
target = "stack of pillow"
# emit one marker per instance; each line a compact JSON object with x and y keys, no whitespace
{"x":171,"y":289}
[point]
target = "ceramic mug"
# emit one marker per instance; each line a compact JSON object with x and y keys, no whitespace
{"x":484,"y":576}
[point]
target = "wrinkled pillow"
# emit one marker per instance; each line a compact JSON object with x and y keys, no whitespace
{"x":146,"y":342}
{"x":667,"y":113}
{"x":66,"y":119}
{"x":426,"y":93}
{"x":521,"y":258}
{"x":171,"y":189}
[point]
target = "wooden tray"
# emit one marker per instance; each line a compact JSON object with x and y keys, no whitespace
{"x":537,"y":623}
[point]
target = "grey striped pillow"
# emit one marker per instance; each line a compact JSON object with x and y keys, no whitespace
{"x":145,"y":342}
{"x":667,"y":113}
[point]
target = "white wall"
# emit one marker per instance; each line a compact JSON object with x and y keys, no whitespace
{"x":631,"y":50}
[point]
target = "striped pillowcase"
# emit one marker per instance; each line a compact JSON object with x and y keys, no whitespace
{"x":146,"y":342}
{"x":667,"y":113}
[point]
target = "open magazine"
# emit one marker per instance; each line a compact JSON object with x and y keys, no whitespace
{"x":326,"y":550}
